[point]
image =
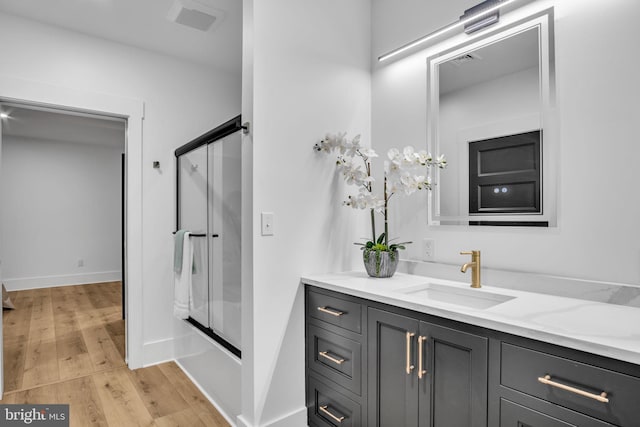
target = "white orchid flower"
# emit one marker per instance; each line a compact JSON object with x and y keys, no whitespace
{"x":354,"y":175}
{"x":368,"y":153}
{"x":424,"y":157}
{"x":409,"y":154}
{"x":394,"y":155}
{"x":364,"y":200}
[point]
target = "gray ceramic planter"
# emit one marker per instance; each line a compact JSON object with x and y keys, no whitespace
{"x":380,"y":263}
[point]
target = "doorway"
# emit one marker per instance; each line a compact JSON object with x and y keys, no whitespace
{"x":68,"y":99}
{"x":62,"y":227}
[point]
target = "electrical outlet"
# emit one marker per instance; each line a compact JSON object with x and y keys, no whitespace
{"x":80,"y":263}
{"x":428,"y":249}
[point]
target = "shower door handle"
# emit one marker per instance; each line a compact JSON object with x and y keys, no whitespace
{"x":215,"y":235}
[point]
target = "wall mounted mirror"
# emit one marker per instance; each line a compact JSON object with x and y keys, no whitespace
{"x":490,"y":104}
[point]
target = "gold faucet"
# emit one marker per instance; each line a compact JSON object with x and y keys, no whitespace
{"x":475,"y":267}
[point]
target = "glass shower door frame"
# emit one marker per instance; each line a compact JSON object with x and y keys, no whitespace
{"x":212,"y":240}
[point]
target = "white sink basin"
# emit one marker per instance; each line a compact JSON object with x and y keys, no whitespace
{"x":467,"y":297}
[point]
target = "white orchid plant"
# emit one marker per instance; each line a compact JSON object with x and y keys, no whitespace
{"x":401,"y":176}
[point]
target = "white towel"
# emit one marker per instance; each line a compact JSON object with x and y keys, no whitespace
{"x":182,"y":285}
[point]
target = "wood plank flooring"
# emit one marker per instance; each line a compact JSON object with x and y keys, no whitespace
{"x":67,"y":345}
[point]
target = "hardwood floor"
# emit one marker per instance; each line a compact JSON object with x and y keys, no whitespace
{"x":67,"y":345}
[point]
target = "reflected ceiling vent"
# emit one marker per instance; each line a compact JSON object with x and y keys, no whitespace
{"x":196,"y":14}
{"x":467,"y":57}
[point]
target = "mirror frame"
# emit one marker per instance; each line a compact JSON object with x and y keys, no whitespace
{"x":542,"y":22}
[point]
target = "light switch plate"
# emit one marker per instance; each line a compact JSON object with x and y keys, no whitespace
{"x":267,"y":223}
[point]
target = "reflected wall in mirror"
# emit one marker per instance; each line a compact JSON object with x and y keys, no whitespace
{"x":489,"y":112}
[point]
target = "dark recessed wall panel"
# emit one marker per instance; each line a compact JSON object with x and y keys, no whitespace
{"x":516,"y":197}
{"x":505,"y":174}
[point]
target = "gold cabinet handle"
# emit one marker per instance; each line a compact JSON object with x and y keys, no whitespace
{"x":324,"y":410}
{"x":331,"y":312}
{"x":333,"y":359}
{"x":409,"y":365}
{"x":602,"y":397}
{"x":421,"y":342}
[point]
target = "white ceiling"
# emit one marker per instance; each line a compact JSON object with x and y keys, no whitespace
{"x":144,"y":24}
{"x":54,"y":125}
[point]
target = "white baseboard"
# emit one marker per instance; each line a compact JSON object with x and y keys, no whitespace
{"x":241,"y":422}
{"x":156,"y":352}
{"x":24,"y":283}
{"x":294,"y":419}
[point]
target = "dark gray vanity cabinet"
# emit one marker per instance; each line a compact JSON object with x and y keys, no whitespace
{"x":423,"y":374}
{"x":370,"y":364}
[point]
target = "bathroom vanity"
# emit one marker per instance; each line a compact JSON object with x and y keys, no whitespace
{"x":417,"y":351}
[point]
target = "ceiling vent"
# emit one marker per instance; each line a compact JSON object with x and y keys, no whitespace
{"x":468,"y":57}
{"x":196,"y":15}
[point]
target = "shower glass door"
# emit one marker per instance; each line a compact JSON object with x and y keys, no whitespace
{"x":192,"y":211}
{"x":209,"y":203}
{"x":224,"y":238}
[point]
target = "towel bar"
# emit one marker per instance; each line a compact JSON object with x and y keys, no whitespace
{"x":194,"y":234}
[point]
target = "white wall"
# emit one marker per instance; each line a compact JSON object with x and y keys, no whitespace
{"x":597,"y":93}
{"x":181,"y":100}
{"x":310,"y":75}
{"x":61,"y":203}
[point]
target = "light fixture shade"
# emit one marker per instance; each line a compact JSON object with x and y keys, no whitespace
{"x":479,"y":16}
{"x":473,"y":25}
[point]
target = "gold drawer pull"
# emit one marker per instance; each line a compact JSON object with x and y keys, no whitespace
{"x":331,"y":312}
{"x":409,"y":366}
{"x":421,"y":371}
{"x":333,"y":359}
{"x":602,"y":397}
{"x":324,"y":410}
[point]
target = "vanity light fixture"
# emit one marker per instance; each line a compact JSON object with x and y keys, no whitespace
{"x":473,"y":19}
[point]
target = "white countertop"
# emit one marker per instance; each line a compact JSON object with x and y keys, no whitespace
{"x":595,"y":327}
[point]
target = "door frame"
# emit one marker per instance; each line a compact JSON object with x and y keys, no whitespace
{"x":1,"y":316}
{"x":132,"y":110}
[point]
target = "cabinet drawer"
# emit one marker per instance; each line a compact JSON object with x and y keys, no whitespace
{"x":335,"y":357}
{"x":337,"y":311}
{"x":522,"y":369}
{"x":516,"y":415}
{"x":327,"y":407}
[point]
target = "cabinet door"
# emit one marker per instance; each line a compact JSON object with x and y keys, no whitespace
{"x":453,"y":390}
{"x":393,"y":383}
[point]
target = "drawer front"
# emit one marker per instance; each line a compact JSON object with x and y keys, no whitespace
{"x":337,"y":311}
{"x":516,"y":415}
{"x":327,"y":407}
{"x":525,"y":370}
{"x":335,"y":357}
